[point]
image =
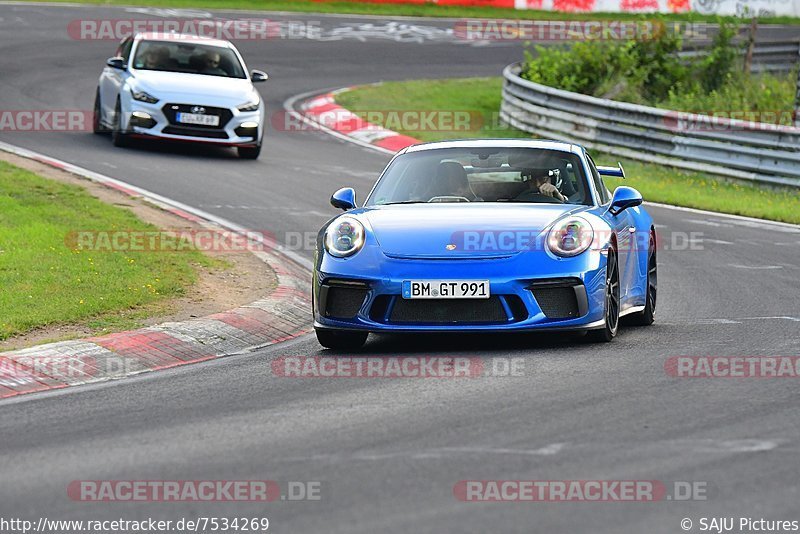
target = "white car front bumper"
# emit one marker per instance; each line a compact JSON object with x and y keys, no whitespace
{"x":236,"y":128}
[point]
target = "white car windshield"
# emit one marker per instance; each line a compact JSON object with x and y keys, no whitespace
{"x":483,"y":175}
{"x":194,"y":58}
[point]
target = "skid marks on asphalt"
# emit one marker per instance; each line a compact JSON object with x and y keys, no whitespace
{"x":728,"y":321}
{"x":685,"y":446}
{"x":755,"y":267}
{"x":436,"y":453}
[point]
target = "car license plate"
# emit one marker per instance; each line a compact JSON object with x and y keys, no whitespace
{"x":446,"y":289}
{"x":197,"y":118}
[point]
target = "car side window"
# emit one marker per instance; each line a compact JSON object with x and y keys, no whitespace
{"x":602,"y":191}
{"x":124,"y":49}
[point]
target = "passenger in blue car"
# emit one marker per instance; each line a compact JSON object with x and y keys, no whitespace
{"x":451,"y":184}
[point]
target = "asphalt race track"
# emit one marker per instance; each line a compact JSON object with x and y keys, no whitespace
{"x":389,"y":452}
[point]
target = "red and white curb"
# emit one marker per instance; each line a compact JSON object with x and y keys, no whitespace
{"x":282,"y":315}
{"x":324,"y":111}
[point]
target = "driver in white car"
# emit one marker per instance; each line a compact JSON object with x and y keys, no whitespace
{"x":156,"y":58}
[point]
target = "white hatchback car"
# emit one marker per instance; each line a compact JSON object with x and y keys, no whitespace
{"x":182,"y":88}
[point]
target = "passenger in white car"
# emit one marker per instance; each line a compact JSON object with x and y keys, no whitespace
{"x":212,"y":65}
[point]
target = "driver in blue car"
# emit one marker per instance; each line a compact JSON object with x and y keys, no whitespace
{"x":539,"y":184}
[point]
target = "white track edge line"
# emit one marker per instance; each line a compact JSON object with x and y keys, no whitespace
{"x":724,"y":215}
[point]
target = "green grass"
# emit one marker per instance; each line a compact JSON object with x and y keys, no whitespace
{"x":657,"y":183}
{"x":45,"y":281}
{"x":696,"y":190}
{"x":479,"y":97}
{"x":766,"y":97}
{"x":418,"y":10}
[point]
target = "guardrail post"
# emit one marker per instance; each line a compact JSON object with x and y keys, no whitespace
{"x":751,"y":44}
{"x":797,"y":94}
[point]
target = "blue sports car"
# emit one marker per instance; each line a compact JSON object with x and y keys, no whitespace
{"x":486,"y":236}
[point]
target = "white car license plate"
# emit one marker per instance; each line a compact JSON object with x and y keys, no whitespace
{"x":197,"y":118}
{"x":446,"y":289}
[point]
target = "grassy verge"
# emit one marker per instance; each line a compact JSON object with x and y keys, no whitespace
{"x":649,"y":72}
{"x":479,"y":98}
{"x":759,"y":97}
{"x":46,"y":281}
{"x":656,"y":182}
{"x":409,"y":10}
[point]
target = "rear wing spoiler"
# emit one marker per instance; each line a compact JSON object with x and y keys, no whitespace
{"x":617,"y":171}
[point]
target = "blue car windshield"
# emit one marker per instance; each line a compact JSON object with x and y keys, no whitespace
{"x":491,"y":174}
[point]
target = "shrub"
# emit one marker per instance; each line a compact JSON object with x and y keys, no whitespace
{"x":715,"y":69}
{"x":650,"y":72}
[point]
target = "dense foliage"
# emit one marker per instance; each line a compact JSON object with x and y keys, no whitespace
{"x":649,"y":71}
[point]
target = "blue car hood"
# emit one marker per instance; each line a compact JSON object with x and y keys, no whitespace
{"x":470,"y":230}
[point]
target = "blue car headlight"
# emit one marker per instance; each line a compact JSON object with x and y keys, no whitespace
{"x":344,"y":237}
{"x":570,"y":237}
{"x":143,"y":96}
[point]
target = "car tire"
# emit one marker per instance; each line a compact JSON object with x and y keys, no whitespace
{"x":249,"y":152}
{"x":611,"y":307}
{"x":647,"y":316}
{"x":340,"y":340}
{"x":97,"y":123}
{"x":118,"y":137}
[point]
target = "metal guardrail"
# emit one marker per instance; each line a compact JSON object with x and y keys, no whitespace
{"x":768,"y":56}
{"x":740,"y":149}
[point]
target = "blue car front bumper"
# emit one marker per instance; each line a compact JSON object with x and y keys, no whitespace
{"x":529,"y":291}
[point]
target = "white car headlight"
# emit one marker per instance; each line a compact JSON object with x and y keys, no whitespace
{"x":570,"y":237}
{"x":143,"y":96}
{"x":250,"y":106}
{"x":344,"y":237}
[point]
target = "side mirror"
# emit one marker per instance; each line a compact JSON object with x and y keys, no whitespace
{"x":624,"y":198}
{"x":344,"y":199}
{"x":116,"y":63}
{"x":258,"y":76}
